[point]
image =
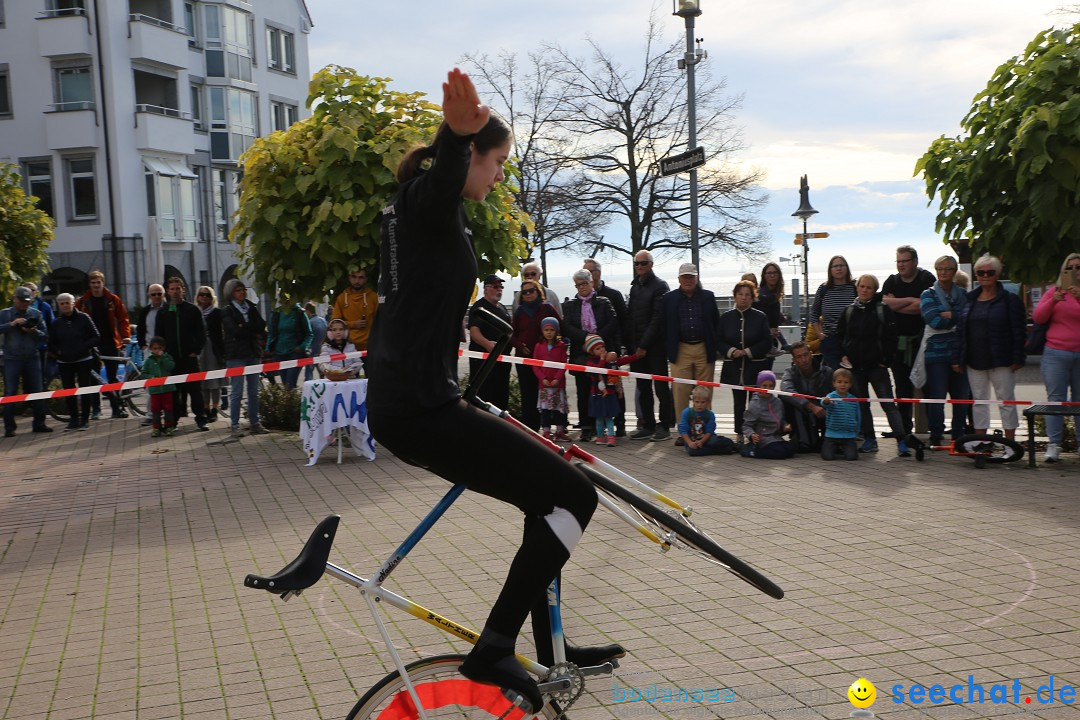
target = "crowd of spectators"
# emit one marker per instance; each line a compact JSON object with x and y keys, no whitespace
{"x":917,"y":331}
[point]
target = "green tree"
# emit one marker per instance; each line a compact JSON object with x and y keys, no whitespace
{"x":1010,"y":184}
{"x":25,"y":235}
{"x":312,"y":195}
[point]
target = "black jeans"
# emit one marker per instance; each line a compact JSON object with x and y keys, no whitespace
{"x":532,"y":478}
{"x":188,"y":392}
{"x":78,"y":407}
{"x":530,"y":389}
{"x":654,"y":363}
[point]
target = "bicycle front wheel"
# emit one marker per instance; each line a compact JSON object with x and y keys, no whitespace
{"x":687,"y":534}
{"x":990,"y":448}
{"x":444,"y":692}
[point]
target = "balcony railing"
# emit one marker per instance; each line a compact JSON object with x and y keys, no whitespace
{"x":159,"y":110}
{"x":72,"y":106}
{"x":139,"y":17}
{"x":63,"y":12}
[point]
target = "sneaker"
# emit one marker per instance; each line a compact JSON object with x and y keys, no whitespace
{"x":611,"y":441}
{"x":84,"y":426}
{"x":119,"y":414}
{"x":620,"y":433}
{"x":155,"y":433}
{"x":661,"y":434}
{"x":547,"y":435}
{"x":169,"y":432}
{"x":95,"y":414}
{"x":869,"y":446}
{"x":562,"y":436}
{"x":202,"y":427}
{"x":586,"y":436}
{"x":902,"y":449}
{"x":147,"y":421}
{"x":41,"y":429}
{"x":641,"y":434}
{"x":935,"y":440}
{"x":1053,"y":453}
{"x":73,"y":425}
{"x":237,"y":432}
{"x":601,"y":440}
{"x":258,"y":429}
{"x":679,"y":442}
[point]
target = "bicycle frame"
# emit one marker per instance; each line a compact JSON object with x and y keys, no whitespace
{"x":373,"y":592}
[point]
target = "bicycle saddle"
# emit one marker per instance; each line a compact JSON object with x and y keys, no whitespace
{"x":306,"y":569}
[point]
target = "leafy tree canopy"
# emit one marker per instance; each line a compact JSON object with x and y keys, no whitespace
{"x":312,"y":195}
{"x":25,"y":235}
{"x":1010,"y":184}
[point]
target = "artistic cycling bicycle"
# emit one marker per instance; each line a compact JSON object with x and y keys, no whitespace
{"x":991,"y":448}
{"x":432,"y":687}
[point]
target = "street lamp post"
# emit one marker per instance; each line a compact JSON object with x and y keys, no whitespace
{"x":688,"y":10}
{"x":804,"y":213}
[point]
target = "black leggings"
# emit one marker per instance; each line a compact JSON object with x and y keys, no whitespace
{"x":516,"y":469}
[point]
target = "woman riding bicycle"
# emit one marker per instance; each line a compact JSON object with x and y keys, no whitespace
{"x":415,"y":408}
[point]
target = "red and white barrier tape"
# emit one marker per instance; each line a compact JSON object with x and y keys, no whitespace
{"x":303,"y":362}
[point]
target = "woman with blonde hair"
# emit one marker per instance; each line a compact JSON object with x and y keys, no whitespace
{"x":212,"y":356}
{"x":1059,"y":310}
{"x":990,"y":334}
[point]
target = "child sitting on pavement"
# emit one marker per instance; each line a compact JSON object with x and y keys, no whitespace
{"x":697,"y":427}
{"x":156,"y":365}
{"x":763,"y":423}
{"x":842,"y":419}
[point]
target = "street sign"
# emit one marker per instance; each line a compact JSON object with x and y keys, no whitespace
{"x":799,"y":237}
{"x":682,"y":162}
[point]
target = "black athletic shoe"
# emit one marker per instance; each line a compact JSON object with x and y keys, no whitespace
{"x":641,"y":434}
{"x":507,"y":678}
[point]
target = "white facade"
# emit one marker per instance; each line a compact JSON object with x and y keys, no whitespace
{"x":127,"y":118}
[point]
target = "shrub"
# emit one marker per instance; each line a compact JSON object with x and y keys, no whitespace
{"x":514,"y":407}
{"x":279,"y":407}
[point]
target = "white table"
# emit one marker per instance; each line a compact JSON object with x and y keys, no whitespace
{"x":327,"y":407}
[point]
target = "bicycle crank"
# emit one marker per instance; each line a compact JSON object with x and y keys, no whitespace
{"x":564,"y":684}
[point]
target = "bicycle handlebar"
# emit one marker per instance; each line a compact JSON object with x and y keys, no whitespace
{"x":504,"y":329}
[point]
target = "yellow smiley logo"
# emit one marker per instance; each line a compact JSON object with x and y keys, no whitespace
{"x":862,"y":693}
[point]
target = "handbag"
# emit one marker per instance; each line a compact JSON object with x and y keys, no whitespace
{"x":1036,"y":341}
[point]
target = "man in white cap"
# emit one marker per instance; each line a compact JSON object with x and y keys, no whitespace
{"x":691,"y":321}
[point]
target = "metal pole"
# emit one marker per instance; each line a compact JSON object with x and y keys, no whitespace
{"x":691,"y":91}
{"x":806,"y":271}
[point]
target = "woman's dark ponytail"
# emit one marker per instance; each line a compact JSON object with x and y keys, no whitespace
{"x":494,"y":134}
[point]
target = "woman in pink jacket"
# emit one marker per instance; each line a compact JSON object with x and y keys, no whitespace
{"x":1059,"y":309}
{"x":551,"y":397}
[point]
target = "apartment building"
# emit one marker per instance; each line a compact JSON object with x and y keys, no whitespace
{"x":127,"y":118}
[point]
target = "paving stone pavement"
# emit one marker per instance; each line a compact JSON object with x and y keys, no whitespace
{"x":122,"y":559}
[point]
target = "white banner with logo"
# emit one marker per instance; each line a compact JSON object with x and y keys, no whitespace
{"x":326,"y":406}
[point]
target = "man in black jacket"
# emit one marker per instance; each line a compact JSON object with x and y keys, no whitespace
{"x":145,"y":322}
{"x":618,"y":302}
{"x":181,"y":324}
{"x":645,"y":335}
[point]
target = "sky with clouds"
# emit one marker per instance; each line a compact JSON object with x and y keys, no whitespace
{"x":847,"y":92}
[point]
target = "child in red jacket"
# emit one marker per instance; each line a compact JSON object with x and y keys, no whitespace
{"x":551,"y":397}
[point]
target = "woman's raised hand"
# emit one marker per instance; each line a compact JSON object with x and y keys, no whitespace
{"x":462,"y":109}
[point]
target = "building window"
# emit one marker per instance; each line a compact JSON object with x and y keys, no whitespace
{"x":233,"y":122}
{"x":229,"y":42}
{"x":172,"y":197}
{"x":73,"y":89}
{"x":196,"y":106}
{"x":38,"y":181}
{"x":82,"y":189}
{"x":58,"y":8}
{"x":282,"y":115}
{"x":5,"y":90}
{"x":189,"y":24}
{"x":281,"y":50}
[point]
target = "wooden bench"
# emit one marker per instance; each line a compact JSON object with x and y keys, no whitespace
{"x":1033,"y":410}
